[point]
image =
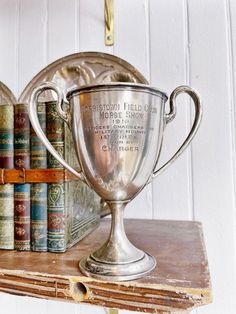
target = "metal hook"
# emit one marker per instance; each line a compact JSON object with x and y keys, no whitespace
{"x":109,"y":22}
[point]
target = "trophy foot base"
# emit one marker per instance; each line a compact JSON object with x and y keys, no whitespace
{"x":117,"y":272}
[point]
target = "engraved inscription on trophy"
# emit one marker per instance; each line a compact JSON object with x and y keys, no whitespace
{"x":120,"y":125}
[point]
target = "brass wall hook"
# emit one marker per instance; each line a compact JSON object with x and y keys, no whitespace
{"x":109,"y":22}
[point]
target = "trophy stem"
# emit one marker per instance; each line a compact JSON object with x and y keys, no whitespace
{"x":118,"y":258}
{"x":117,"y":249}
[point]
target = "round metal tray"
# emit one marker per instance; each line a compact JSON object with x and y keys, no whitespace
{"x":6,"y":96}
{"x":80,"y":69}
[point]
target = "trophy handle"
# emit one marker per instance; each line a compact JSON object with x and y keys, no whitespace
{"x":65,"y":115}
{"x":171,"y":115}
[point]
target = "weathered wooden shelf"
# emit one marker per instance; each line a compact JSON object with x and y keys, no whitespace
{"x":180,"y":282}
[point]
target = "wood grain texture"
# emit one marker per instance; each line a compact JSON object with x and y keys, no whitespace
{"x":180,"y":281}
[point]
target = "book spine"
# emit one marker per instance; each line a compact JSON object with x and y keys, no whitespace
{"x":6,"y":190}
{"x":56,"y":191}
{"x":38,"y":191}
{"x":21,"y":191}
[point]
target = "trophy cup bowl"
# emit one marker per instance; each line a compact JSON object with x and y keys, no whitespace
{"x":117,"y":129}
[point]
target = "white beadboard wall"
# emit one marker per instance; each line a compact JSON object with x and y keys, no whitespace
{"x":172,"y":43}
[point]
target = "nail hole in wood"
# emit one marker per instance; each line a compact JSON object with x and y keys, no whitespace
{"x":79,"y":291}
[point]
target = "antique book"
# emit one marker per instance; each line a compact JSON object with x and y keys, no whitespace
{"x":56,"y":191}
{"x":73,"y":208}
{"x":38,"y":191}
{"x":6,"y":190}
{"x":21,"y":191}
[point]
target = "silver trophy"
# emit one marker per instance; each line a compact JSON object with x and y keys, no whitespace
{"x":117,"y":130}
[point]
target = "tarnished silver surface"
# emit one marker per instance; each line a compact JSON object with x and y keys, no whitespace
{"x":117,"y":130}
{"x":6,"y":96}
{"x":81,"y":69}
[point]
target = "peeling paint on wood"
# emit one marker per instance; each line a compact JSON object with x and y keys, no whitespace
{"x":180,"y":282}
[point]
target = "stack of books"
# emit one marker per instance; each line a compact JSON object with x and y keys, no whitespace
{"x":41,"y":216}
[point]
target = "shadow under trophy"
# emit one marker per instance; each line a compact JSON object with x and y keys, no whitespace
{"x":117,"y":130}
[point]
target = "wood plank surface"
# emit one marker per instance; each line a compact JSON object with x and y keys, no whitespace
{"x":180,"y":281}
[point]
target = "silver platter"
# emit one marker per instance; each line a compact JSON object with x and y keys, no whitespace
{"x":6,"y":96}
{"x":84,"y":68}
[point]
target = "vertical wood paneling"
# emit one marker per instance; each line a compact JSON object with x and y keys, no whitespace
{"x":212,"y":148}
{"x":32,"y":39}
{"x":9,"y":40}
{"x":132,"y":35}
{"x":231,"y":19}
{"x":172,"y":189}
{"x":231,"y":16}
{"x":91,"y":26}
{"x":61,"y":29}
{"x":132,"y":45}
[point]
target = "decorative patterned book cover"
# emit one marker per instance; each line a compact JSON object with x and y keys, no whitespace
{"x":56,"y":191}
{"x":21,"y":191}
{"x":6,"y":190}
{"x":82,"y":203}
{"x":73,"y":208}
{"x":38,"y":191}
